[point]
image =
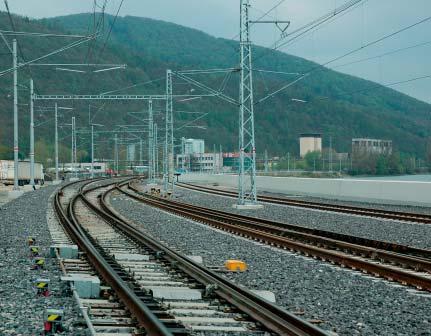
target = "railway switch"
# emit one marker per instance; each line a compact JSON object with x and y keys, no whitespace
{"x":233,"y":265}
{"x":38,"y":263}
{"x":53,"y":321}
{"x":42,"y":287}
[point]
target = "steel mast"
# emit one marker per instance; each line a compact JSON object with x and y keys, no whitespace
{"x":247,"y":151}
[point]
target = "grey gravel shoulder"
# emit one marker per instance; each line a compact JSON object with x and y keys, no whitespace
{"x":21,"y":310}
{"x":347,"y":302}
{"x":417,"y":235}
{"x":369,"y":205}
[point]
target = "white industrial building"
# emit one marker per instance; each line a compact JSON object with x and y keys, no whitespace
{"x":310,"y":142}
{"x":131,"y":152}
{"x":371,"y":146}
{"x":193,"y":146}
{"x":84,"y":167}
{"x":203,"y":162}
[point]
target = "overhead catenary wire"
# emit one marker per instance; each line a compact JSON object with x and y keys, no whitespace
{"x":36,"y":34}
{"x":351,"y":52}
{"x":376,"y":86}
{"x":301,"y":31}
{"x":110,"y":29}
{"x":54,"y":52}
{"x":391,"y":52}
{"x":135,"y":85}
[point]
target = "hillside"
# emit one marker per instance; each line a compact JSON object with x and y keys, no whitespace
{"x":149,"y":47}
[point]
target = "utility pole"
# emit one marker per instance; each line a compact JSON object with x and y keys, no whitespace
{"x":141,"y":152}
{"x":31,"y":134}
{"x":15,"y":116}
{"x":330,"y":154}
{"x":92,"y":151}
{"x":183,"y":158}
{"x":214,"y":159}
{"x":57,"y":178}
{"x":247,"y":194}
{"x":221,"y":159}
{"x":72,"y":151}
{"x":288,"y":162}
{"x":116,"y":153}
{"x":266,"y":161}
{"x":156,"y":152}
{"x":150,"y":142}
{"x":74,"y":156}
{"x":168,"y":164}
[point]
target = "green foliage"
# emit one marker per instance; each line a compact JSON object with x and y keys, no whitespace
{"x":149,"y":47}
{"x":312,"y":160}
{"x":5,"y":153}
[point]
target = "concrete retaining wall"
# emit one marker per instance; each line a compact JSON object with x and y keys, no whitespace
{"x":375,"y":191}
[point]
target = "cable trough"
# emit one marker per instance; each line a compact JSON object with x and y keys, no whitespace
{"x":394,"y":262}
{"x":352,"y":210}
{"x":141,"y":271}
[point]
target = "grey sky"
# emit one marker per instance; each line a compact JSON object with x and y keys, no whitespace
{"x":371,"y":20}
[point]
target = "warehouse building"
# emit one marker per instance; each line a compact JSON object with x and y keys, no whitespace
{"x":371,"y":146}
{"x":310,"y":142}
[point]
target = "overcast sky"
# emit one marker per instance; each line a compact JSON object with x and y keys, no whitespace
{"x":370,"y":21}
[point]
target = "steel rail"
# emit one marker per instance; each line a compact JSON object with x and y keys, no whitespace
{"x":138,"y":309}
{"x":360,"y":211}
{"x":281,"y":226}
{"x":274,"y":318}
{"x":335,"y":252}
{"x":414,"y":258}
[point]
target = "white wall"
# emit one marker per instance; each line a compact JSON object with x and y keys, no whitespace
{"x":389,"y":192}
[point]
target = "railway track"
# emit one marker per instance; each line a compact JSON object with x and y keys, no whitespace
{"x":113,"y":314}
{"x":352,"y":210}
{"x":394,"y":262}
{"x":163,"y":291}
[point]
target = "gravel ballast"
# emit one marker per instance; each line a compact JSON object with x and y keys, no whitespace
{"x":21,"y":310}
{"x":347,"y":302}
{"x":309,"y":198}
{"x":412,"y":234}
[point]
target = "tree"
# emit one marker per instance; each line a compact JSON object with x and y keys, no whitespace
{"x":6,"y":153}
{"x":313,"y":160}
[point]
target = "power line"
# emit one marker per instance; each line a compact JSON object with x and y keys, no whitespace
{"x":301,"y":31}
{"x":375,"y":86}
{"x":382,"y":55}
{"x":110,"y":29}
{"x":324,"y":24}
{"x":309,"y":72}
{"x":135,"y":85}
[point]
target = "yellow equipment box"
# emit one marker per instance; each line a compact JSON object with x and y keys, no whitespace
{"x":235,"y":265}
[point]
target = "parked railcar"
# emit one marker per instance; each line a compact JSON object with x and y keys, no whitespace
{"x":7,"y":172}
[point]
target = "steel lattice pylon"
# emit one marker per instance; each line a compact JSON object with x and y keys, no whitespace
{"x":247,"y":160}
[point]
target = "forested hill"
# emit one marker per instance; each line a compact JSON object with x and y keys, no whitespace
{"x":149,"y":47}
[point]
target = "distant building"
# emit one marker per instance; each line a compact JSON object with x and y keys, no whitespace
{"x":371,"y":146}
{"x":340,"y":156}
{"x":231,"y":162}
{"x":131,"y":153}
{"x":310,"y":142}
{"x":85,"y":167}
{"x":194,"y":146}
{"x":200,"y":162}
